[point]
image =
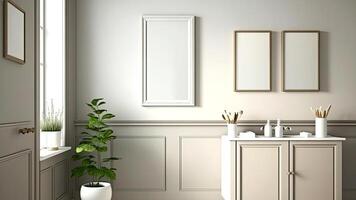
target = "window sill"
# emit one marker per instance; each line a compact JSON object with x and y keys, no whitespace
{"x":46,"y":154}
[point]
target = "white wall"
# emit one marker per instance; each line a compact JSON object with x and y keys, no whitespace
{"x":110,"y":63}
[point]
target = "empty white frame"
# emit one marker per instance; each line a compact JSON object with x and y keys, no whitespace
{"x":168,"y":60}
{"x":301,"y":57}
{"x":252,"y":60}
{"x":14,"y":32}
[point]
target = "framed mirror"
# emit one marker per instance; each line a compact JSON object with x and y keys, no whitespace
{"x":14,"y":32}
{"x":168,"y":60}
{"x":252,"y":61}
{"x":300,"y":61}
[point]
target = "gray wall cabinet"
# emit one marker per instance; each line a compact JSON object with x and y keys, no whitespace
{"x":281,"y":169}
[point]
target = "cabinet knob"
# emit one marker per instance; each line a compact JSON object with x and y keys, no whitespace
{"x":24,"y":131}
{"x":291,"y":173}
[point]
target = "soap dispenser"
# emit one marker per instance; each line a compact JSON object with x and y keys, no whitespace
{"x":278,"y":130}
{"x":268,"y":129}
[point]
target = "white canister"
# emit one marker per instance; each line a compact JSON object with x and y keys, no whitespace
{"x":321,"y":127}
{"x":232,"y":130}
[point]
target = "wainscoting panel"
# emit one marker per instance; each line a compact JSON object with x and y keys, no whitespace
{"x":199,"y":159}
{"x":181,"y":161}
{"x":143,"y":163}
{"x":16,"y":167}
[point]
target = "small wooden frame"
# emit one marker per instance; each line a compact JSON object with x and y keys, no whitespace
{"x":252,"y":61}
{"x":14,"y":32}
{"x":301,"y":61}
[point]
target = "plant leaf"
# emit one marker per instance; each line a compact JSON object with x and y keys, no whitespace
{"x":91,"y":115}
{"x":85,"y":148}
{"x":91,"y":106}
{"x":78,"y":171}
{"x":101,"y":103}
{"x":108,"y":116}
{"x":100,"y":111}
{"x":76,"y":157}
{"x":95,"y":101}
{"x":102,"y":148}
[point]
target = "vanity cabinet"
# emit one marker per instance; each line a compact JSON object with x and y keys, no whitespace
{"x":281,"y":168}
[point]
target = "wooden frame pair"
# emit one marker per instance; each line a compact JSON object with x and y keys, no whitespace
{"x":301,"y":62}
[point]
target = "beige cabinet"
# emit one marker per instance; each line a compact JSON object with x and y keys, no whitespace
{"x":281,"y":169}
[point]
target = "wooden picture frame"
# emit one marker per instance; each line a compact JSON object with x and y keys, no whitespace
{"x":14,"y":32}
{"x":301,"y":61}
{"x":168,"y":60}
{"x":252,"y":61}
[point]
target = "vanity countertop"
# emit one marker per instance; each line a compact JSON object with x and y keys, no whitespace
{"x":285,"y":138}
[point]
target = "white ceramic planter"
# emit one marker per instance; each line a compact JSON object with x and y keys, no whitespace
{"x":53,"y":139}
{"x":96,"y":193}
{"x":232,"y":130}
{"x":321,"y":127}
{"x":43,"y":140}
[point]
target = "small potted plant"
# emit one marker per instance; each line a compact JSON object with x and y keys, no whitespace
{"x":231,"y":119}
{"x":90,"y":152}
{"x":51,"y":129}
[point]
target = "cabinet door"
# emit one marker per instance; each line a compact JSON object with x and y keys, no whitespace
{"x":46,"y":184}
{"x":316,"y":170}
{"x":262,"y":170}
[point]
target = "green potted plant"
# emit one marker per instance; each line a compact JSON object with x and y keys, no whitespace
{"x":89,"y":152}
{"x":51,"y":129}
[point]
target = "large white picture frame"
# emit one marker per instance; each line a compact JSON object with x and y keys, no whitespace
{"x":168,"y":60}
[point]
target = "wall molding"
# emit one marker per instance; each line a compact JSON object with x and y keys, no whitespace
{"x":10,"y":124}
{"x":28,"y":153}
{"x":215,"y":122}
{"x":164,"y":165}
{"x":180,"y":164}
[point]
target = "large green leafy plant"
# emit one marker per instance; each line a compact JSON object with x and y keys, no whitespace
{"x":93,"y":145}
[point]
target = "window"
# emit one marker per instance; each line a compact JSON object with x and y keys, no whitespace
{"x":52,"y":58}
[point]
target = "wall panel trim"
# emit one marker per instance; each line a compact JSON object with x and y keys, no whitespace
{"x":28,"y":153}
{"x":164,"y":165}
{"x":180,"y":165}
{"x":10,"y":124}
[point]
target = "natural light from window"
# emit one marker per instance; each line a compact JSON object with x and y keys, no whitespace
{"x":52,"y":59}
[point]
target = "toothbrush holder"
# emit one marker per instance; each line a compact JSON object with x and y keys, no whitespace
{"x":321,"y":127}
{"x":232,"y":130}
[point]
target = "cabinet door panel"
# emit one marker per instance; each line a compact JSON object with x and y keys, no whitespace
{"x":262,"y":170}
{"x":316,"y":171}
{"x":61,"y":179}
{"x":46,"y":189}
